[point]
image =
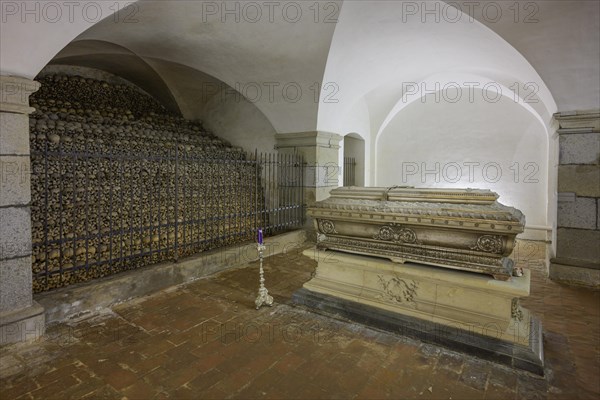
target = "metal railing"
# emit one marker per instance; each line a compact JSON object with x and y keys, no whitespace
{"x":96,"y":213}
{"x":349,"y":171}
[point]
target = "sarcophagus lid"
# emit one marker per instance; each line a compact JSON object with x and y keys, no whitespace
{"x":409,"y":194}
{"x":466,"y":229}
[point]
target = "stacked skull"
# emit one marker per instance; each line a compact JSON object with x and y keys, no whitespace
{"x":118,"y":182}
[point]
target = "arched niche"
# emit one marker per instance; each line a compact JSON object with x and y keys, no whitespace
{"x":499,"y":146}
{"x":354,"y":149}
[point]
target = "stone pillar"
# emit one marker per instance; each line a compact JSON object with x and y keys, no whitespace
{"x":578,"y":235}
{"x":21,"y":318}
{"x":320,"y":151}
{"x":321,"y":155}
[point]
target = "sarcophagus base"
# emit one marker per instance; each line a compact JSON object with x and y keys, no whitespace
{"x":464,"y":311}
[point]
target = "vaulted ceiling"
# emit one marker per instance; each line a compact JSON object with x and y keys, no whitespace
{"x":366,"y":50}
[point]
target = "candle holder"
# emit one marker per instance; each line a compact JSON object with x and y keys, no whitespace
{"x":263,"y":294}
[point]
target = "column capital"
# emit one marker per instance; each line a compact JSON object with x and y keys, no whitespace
{"x":14,"y":94}
{"x":308,"y":139}
{"x":587,"y":121}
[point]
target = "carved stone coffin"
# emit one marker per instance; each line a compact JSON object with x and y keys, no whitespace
{"x":465,"y":229}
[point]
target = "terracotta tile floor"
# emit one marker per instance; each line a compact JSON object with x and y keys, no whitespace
{"x":206,"y":341}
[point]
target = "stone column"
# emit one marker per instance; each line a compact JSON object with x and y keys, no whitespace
{"x":578,"y":235}
{"x":21,"y":318}
{"x":320,"y":151}
{"x":321,"y":156}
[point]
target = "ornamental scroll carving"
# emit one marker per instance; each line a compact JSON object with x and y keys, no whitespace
{"x":489,"y":244}
{"x":327,"y":227}
{"x":397,"y":234}
{"x":418,"y":254}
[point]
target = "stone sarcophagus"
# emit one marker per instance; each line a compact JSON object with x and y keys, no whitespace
{"x":464,"y":229}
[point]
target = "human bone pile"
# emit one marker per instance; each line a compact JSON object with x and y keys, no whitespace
{"x":118,"y":182}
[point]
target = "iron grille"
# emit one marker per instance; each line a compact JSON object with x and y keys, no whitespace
{"x":349,"y":171}
{"x":97,"y":213}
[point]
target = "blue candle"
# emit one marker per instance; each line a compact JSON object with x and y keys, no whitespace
{"x":260,"y":236}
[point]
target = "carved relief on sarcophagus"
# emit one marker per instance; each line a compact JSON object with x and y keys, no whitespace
{"x":465,"y":229}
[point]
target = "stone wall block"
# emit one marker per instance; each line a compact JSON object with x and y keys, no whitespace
{"x":579,"y":212}
{"x":15,"y":232}
{"x":583,"y":180}
{"x":15,"y":180}
{"x":15,"y":284}
{"x":578,"y":244}
{"x":576,"y":276}
{"x":580,"y":148}
{"x":14,"y":134}
{"x":598,"y":214}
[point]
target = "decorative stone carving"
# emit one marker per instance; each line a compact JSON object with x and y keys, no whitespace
{"x":397,"y":289}
{"x":463,"y":229}
{"x":397,"y":234}
{"x":466,"y":312}
{"x":489,"y":244}
{"x":327,"y":227}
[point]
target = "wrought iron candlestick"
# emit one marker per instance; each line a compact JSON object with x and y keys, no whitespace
{"x":263,"y":294}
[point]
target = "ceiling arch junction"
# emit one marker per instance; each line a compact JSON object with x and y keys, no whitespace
{"x":400,"y":60}
{"x":358,"y":54}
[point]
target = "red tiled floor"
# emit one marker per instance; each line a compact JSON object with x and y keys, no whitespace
{"x":206,"y":340}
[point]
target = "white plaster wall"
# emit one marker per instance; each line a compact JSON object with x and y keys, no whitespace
{"x":439,"y":136}
{"x":240,"y":122}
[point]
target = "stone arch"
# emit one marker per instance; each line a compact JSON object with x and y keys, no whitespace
{"x":499,"y":146}
{"x":44,"y":38}
{"x":188,"y":91}
{"x":395,"y":50}
{"x":120,"y":61}
{"x":537,"y":109}
{"x":243,"y":55}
